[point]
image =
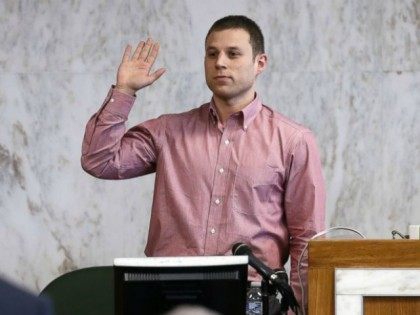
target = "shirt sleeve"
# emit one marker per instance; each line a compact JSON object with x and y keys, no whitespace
{"x":304,"y":205}
{"x":109,"y":152}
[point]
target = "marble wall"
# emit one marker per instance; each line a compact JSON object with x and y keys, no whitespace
{"x":348,"y":69}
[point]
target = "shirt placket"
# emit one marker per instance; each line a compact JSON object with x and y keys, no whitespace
{"x":218,"y":195}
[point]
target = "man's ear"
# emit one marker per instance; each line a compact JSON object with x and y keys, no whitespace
{"x":261,"y":61}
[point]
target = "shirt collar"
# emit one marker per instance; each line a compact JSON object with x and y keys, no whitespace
{"x":248,"y":113}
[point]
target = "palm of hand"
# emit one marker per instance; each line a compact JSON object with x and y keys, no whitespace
{"x":134,"y":74}
{"x":134,"y":71}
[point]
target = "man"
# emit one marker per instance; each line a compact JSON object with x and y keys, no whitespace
{"x":232,"y":170}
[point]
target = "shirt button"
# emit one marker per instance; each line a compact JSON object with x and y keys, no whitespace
{"x":221,"y":170}
{"x":217,"y":201}
{"x":212,"y":231}
{"x":227,"y":141}
{"x":111,"y":100}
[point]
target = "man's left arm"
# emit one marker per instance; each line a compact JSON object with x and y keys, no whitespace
{"x":304,"y":204}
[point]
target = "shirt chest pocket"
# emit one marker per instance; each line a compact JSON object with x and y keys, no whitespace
{"x":257,"y":189}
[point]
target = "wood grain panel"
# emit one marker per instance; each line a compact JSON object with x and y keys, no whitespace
{"x":391,"y":305}
{"x":364,"y":253}
{"x":326,"y":255}
{"x":321,"y":291}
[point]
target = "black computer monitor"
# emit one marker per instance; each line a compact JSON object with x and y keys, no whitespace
{"x":156,"y":285}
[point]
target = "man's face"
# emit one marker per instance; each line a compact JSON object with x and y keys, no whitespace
{"x":229,"y":64}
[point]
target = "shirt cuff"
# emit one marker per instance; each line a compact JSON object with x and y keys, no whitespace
{"x":119,"y":103}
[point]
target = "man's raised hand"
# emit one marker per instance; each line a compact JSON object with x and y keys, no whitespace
{"x":134,"y":70}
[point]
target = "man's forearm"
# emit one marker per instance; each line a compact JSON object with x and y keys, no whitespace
{"x":102,"y":139}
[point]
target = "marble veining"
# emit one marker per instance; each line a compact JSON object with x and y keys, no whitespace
{"x":378,"y":282}
{"x":349,"y":70}
{"x":352,"y":284}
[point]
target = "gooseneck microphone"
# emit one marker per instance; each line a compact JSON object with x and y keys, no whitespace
{"x":241,"y":249}
{"x":268,"y":274}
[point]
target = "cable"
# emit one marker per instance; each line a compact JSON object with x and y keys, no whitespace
{"x":395,"y":232}
{"x":306,"y":247}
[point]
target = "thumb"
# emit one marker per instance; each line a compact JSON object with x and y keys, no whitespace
{"x":157,"y":74}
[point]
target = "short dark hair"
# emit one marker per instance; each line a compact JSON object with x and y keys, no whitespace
{"x":240,"y":21}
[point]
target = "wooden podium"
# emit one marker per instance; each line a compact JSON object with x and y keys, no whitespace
{"x":329,"y":259}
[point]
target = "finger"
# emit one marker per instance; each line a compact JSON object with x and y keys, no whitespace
{"x":146,"y":49}
{"x":153,"y":54}
{"x":127,"y":53}
{"x":157,"y":74}
{"x":138,"y":50}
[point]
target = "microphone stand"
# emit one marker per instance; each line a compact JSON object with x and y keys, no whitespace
{"x":272,"y":279}
{"x":282,"y":276}
{"x":265,"y":296}
{"x":279,"y":283}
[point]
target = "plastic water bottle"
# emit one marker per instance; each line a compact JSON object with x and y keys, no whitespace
{"x":254,"y":305}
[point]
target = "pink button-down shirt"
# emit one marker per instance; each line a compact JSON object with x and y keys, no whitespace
{"x":256,"y":180}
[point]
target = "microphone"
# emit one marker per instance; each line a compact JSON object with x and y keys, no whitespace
{"x":240,"y":249}
{"x":269,"y":275}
